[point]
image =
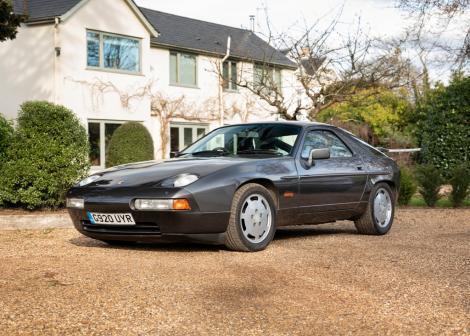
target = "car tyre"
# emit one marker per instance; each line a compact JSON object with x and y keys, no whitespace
{"x":252,"y":222}
{"x":378,"y":218}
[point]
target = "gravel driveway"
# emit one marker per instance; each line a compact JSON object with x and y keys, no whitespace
{"x":311,"y":280}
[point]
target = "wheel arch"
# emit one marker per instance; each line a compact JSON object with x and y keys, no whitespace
{"x":268,"y":184}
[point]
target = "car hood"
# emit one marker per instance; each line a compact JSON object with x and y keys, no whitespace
{"x":151,"y":173}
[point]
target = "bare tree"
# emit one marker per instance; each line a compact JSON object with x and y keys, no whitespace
{"x":168,"y":109}
{"x":432,"y":18}
{"x":331,"y":68}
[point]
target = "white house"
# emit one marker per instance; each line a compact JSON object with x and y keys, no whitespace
{"x":111,"y":62}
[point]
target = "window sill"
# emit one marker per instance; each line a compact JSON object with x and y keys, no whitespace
{"x":185,"y":86}
{"x":231,"y":91}
{"x":120,"y":72}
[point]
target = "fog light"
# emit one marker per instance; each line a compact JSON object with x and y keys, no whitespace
{"x":76,"y":203}
{"x":162,"y":204}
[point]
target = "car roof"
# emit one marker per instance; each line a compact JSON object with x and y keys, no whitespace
{"x":284,"y":122}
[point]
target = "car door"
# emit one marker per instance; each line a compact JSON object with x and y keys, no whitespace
{"x":330,"y":184}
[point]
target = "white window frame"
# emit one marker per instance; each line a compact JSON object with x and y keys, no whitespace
{"x":229,"y":81}
{"x":271,"y":71}
{"x":178,"y":81}
{"x":181,"y":126}
{"x":103,"y":123}
{"x":101,"y":67}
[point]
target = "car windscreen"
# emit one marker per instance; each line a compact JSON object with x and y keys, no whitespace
{"x":247,"y":140}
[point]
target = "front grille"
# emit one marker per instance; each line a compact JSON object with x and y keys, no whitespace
{"x":138,"y":229}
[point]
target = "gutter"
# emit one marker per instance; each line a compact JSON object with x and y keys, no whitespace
{"x":56,"y":56}
{"x":221,"y":82}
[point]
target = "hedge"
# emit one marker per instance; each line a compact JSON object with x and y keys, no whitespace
{"x":131,"y":142}
{"x":445,"y":131}
{"x":6,"y":135}
{"x":47,"y":155}
{"x":408,"y":186}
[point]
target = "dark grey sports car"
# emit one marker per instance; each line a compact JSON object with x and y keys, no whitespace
{"x":238,"y":184}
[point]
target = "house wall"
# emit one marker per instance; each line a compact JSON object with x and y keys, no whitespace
{"x":103,"y":95}
{"x":26,"y":68}
{"x":92,"y":93}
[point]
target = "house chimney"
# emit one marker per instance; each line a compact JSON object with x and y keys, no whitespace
{"x":252,"y":23}
{"x":305,"y":52}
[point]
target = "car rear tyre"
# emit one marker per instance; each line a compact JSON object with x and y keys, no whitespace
{"x":378,"y":218}
{"x":252,"y":221}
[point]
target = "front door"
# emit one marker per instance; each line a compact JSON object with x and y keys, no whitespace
{"x":329,"y":185}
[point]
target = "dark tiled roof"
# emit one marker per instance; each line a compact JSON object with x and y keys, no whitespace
{"x":182,"y":32}
{"x":177,"y":32}
{"x":44,"y":9}
{"x":312,"y":64}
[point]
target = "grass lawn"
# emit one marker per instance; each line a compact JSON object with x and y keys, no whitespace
{"x":444,"y":202}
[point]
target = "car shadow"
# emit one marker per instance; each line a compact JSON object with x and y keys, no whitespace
{"x":283,"y":233}
{"x":312,"y":230}
{"x":163,"y":246}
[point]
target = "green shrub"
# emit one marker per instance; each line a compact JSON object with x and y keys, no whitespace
{"x":6,"y":135}
{"x":429,"y":182}
{"x":48,"y":154}
{"x":444,"y":134}
{"x":460,"y":182}
{"x":131,"y":142}
{"x":408,"y":186}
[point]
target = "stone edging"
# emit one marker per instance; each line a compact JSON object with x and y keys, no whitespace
{"x":35,"y":221}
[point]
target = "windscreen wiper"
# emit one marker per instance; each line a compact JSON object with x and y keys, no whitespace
{"x":260,"y":151}
{"x":212,"y":152}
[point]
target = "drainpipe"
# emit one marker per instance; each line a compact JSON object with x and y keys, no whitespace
{"x":57,"y":51}
{"x":221,"y":82}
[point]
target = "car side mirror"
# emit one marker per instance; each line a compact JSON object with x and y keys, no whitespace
{"x":174,"y":154}
{"x":318,"y":154}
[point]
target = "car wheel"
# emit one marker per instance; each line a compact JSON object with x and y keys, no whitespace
{"x":252,"y":221}
{"x":378,"y":218}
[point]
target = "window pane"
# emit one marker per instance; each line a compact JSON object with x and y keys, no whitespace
{"x":188,"y":136}
{"x":257,"y":76}
{"x":109,"y":131}
{"x":325,"y":139}
{"x":225,"y":75}
{"x":93,"y":49}
{"x":94,"y":139}
{"x":121,"y":53}
{"x":200,"y":132}
{"x":174,"y":139}
{"x":337,"y":147}
{"x":173,"y":68}
{"x":278,"y":79}
{"x":233,"y":75}
{"x":187,"y":69}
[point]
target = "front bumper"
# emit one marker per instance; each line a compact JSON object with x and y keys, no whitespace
{"x":150,"y":225}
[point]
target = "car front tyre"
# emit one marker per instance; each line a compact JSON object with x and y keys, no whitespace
{"x":378,"y":218}
{"x":252,"y":221}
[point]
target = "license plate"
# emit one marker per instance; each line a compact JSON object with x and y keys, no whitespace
{"x":111,"y":219}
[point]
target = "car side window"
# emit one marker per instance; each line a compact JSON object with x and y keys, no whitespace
{"x":325,"y":139}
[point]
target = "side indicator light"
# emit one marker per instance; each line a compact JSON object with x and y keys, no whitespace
{"x":181,"y":204}
{"x":288,"y":194}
